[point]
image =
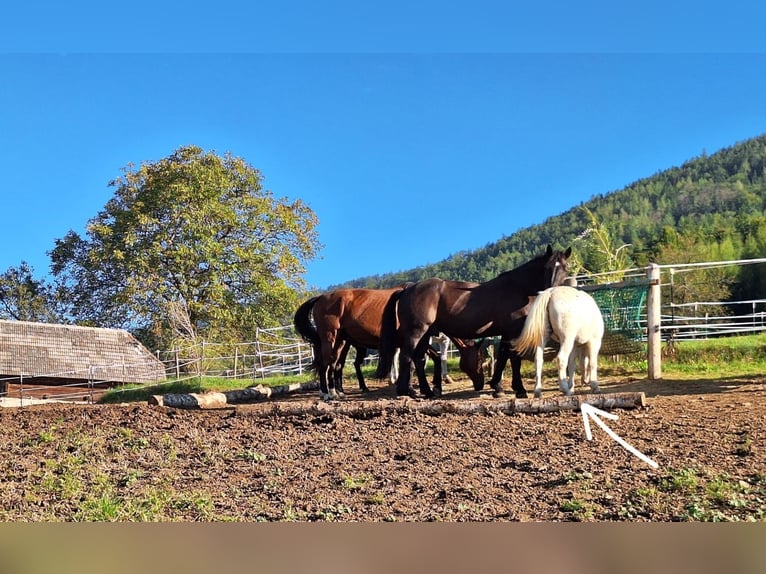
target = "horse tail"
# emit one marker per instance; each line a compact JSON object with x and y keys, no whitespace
{"x":533,"y":333}
{"x":387,"y":346}
{"x":302,"y":323}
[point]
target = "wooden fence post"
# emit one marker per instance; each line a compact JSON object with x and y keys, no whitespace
{"x":653,"y":324}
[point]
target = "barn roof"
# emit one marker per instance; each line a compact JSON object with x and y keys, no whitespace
{"x":70,"y":352}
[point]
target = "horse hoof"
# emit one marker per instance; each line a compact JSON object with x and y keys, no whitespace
{"x":521,"y":394}
{"x":498,"y":393}
{"x":478,"y":386}
{"x":538,"y":394}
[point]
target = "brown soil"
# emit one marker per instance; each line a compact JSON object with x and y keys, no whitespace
{"x":706,"y":435}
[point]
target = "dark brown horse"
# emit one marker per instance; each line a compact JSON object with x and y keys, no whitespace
{"x":464,"y":310}
{"x":352,"y":317}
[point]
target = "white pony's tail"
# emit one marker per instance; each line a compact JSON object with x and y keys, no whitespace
{"x":534,"y":327}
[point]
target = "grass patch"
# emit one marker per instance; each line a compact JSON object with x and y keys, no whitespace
{"x":713,"y":358}
{"x":579,"y":509}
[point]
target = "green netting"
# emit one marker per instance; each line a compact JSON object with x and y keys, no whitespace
{"x":622,"y":307}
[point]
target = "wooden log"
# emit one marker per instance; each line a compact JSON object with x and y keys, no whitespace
{"x":217,"y":400}
{"x":368,"y":409}
{"x":363,"y":409}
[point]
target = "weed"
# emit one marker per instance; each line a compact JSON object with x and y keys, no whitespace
{"x":250,"y":455}
{"x":376,"y":498}
{"x":745,"y":446}
{"x":356,"y":483}
{"x":330,"y":513}
{"x":683,"y":481}
{"x":581,"y":510}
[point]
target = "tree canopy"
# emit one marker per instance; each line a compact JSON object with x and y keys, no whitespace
{"x":24,"y":298}
{"x":189,"y":245}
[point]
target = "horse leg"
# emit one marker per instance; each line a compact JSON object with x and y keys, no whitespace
{"x":516,"y":383}
{"x":324,"y":391}
{"x":361,"y":353}
{"x":563,"y":363}
{"x":338,"y":365}
{"x":577,"y":353}
{"x":592,"y":361}
{"x":503,"y":353}
{"x":539,"y":358}
{"x":437,"y":384}
{"x":403,"y":379}
{"x":394,"y":374}
{"x":419,"y":360}
{"x":326,"y":375}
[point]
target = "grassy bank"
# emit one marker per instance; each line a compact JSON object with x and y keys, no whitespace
{"x":712,"y":358}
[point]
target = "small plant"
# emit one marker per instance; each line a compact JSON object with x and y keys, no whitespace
{"x":376,"y":498}
{"x":252,"y":456}
{"x":745,"y":446}
{"x":330,"y":513}
{"x":574,"y":476}
{"x":580,"y":510}
{"x":684,"y":481}
{"x":355,"y":483}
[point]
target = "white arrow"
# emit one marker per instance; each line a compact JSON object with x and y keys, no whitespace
{"x":591,"y":411}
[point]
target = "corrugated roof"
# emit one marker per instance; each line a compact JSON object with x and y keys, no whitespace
{"x":72,"y":352}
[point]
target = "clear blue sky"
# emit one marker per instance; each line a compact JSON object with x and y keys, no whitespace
{"x":413,"y":132}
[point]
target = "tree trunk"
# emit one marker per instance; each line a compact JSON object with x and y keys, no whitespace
{"x":360,"y":409}
{"x":213,"y":400}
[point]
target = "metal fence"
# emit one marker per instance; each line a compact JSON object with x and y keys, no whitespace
{"x":281,"y":351}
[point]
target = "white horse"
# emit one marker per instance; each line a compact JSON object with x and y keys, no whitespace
{"x":572,"y":318}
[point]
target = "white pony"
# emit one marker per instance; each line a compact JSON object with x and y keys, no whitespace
{"x":572,"y":318}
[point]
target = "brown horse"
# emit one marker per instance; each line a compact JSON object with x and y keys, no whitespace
{"x":464,"y":310}
{"x":352,"y":317}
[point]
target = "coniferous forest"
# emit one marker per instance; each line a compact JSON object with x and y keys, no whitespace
{"x":711,"y":208}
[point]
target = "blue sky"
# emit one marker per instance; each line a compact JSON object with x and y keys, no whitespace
{"x":458,"y":133}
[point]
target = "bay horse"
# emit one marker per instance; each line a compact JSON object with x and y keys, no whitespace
{"x":465,"y":310}
{"x":571,"y":317}
{"x":352,"y":317}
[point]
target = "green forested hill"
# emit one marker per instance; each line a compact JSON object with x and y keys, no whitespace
{"x":711,"y":208}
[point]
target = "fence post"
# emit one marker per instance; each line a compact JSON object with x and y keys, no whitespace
{"x":653,"y":324}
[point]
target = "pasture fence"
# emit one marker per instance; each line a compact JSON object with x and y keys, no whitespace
{"x":637,"y":305}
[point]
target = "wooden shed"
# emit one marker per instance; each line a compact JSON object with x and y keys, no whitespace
{"x":46,"y":353}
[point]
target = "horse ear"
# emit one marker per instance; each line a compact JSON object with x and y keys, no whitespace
{"x":568,"y":252}
{"x":549,"y":251}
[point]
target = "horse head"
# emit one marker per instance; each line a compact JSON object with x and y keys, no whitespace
{"x":472,"y":359}
{"x":556,"y":267}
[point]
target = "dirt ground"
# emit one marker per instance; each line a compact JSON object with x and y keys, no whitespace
{"x":706,"y":435}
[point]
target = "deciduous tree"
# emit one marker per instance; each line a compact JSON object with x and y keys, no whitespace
{"x":195,"y":231}
{"x":24,"y":298}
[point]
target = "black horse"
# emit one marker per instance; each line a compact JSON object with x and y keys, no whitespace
{"x":467,"y":311}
